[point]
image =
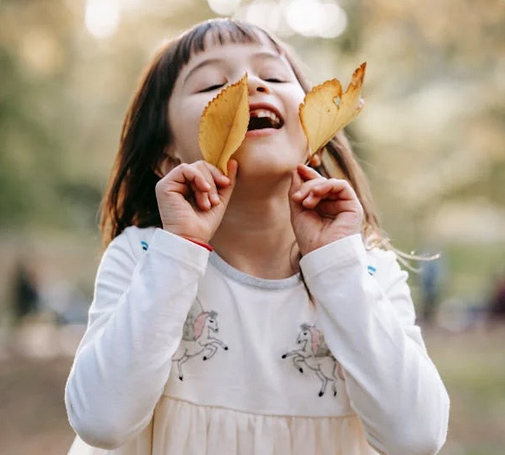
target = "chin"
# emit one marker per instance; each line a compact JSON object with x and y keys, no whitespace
{"x":265,"y":166}
{"x":270,"y":154}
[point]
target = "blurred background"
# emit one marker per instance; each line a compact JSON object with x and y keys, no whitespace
{"x":431,"y":138}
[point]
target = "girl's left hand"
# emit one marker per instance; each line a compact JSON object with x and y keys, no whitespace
{"x":322,"y":210}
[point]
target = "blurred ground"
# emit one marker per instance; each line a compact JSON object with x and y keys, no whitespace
{"x":472,"y":364}
{"x":32,"y":411}
{"x":34,"y":363}
{"x":34,"y":420}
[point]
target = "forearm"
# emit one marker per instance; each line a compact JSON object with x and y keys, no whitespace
{"x":124,"y":359}
{"x":392,"y":384}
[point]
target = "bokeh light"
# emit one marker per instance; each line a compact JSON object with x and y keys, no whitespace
{"x":311,"y":18}
{"x":304,"y":16}
{"x":334,"y":22}
{"x":316,"y":18}
{"x":224,"y":7}
{"x":265,"y":13}
{"x":102,"y":17}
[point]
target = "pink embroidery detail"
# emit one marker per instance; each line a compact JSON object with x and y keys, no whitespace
{"x":200,"y":324}
{"x":314,"y":338}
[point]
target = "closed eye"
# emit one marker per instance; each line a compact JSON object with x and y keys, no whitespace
{"x":212,"y":87}
{"x":274,"y":80}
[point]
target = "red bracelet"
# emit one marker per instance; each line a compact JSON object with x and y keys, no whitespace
{"x":205,"y":245}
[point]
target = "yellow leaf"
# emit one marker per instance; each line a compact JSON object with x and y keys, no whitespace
{"x":326,"y":110}
{"x":223,"y":124}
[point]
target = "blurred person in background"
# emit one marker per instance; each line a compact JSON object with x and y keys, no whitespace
{"x":26,"y":296}
{"x":431,"y":286}
{"x":496,"y":308}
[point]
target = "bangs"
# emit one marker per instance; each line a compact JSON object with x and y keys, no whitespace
{"x":219,"y":32}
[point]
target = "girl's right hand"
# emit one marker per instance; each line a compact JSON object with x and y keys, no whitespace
{"x":192,"y":199}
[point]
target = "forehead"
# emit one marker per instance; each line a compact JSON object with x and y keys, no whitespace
{"x":221,"y":32}
{"x":234,"y":53}
{"x":217,"y":48}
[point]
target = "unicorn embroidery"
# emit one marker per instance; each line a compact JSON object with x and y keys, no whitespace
{"x":199,"y":336}
{"x":315,"y":355}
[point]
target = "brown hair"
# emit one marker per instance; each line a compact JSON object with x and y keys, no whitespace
{"x":130,"y":197}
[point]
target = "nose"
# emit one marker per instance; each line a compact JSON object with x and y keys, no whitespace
{"x":257,"y":85}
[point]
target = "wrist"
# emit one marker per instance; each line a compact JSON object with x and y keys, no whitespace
{"x":195,"y":239}
{"x":310,"y":246}
{"x":199,"y":243}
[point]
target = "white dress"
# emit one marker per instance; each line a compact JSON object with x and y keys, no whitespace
{"x":185,"y":355}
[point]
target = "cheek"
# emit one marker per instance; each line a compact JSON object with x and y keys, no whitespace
{"x":184,"y":123}
{"x":295,"y":99}
{"x":297,"y":132}
{"x":295,"y":116}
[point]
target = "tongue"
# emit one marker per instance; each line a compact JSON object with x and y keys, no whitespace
{"x":258,"y":123}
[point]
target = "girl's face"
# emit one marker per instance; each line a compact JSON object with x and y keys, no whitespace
{"x":277,"y":144}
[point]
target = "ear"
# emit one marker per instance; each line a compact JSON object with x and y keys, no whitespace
{"x":167,"y":161}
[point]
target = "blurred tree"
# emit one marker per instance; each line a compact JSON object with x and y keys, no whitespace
{"x":433,"y":124}
{"x":435,"y":121}
{"x":32,"y":109}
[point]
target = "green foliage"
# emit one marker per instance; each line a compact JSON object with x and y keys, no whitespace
{"x":433,"y":124}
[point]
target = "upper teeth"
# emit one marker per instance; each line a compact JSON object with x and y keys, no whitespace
{"x":265,"y":113}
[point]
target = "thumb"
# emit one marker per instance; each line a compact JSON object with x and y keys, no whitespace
{"x":296,"y":183}
{"x":232,"y":175}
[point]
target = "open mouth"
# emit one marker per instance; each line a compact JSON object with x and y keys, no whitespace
{"x":264,"y":118}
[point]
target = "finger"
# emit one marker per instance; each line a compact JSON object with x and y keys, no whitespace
{"x":294,"y":202}
{"x":220,"y":179}
{"x":311,"y":201}
{"x":307,"y":173}
{"x":296,"y":183}
{"x":213,"y":176}
{"x":198,"y":180}
{"x":306,"y":188}
{"x":188,"y":174}
{"x":200,"y":187}
{"x":331,"y":206}
{"x":202,"y":200}
{"x":232,"y":172}
{"x":329,"y":190}
{"x":180,"y":180}
{"x":328,"y":208}
{"x":339,"y":189}
{"x":225,"y":192}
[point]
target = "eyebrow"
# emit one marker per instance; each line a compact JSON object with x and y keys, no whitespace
{"x":213,"y":61}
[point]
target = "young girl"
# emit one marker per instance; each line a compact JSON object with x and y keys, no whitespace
{"x":248,"y":313}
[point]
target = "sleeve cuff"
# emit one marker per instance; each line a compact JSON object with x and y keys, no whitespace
{"x":338,"y":254}
{"x":177,"y":247}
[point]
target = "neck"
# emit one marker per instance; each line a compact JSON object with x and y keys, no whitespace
{"x":255,"y":235}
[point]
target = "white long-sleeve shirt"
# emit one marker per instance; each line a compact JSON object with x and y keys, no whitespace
{"x":186,"y":355}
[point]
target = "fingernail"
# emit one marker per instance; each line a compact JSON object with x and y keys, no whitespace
{"x":214,"y":198}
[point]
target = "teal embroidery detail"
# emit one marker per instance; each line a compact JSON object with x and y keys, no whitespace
{"x":145,"y":246}
{"x":371,"y":270}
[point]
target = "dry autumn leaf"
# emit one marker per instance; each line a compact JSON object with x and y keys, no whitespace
{"x":223,"y":124}
{"x":326,"y":110}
